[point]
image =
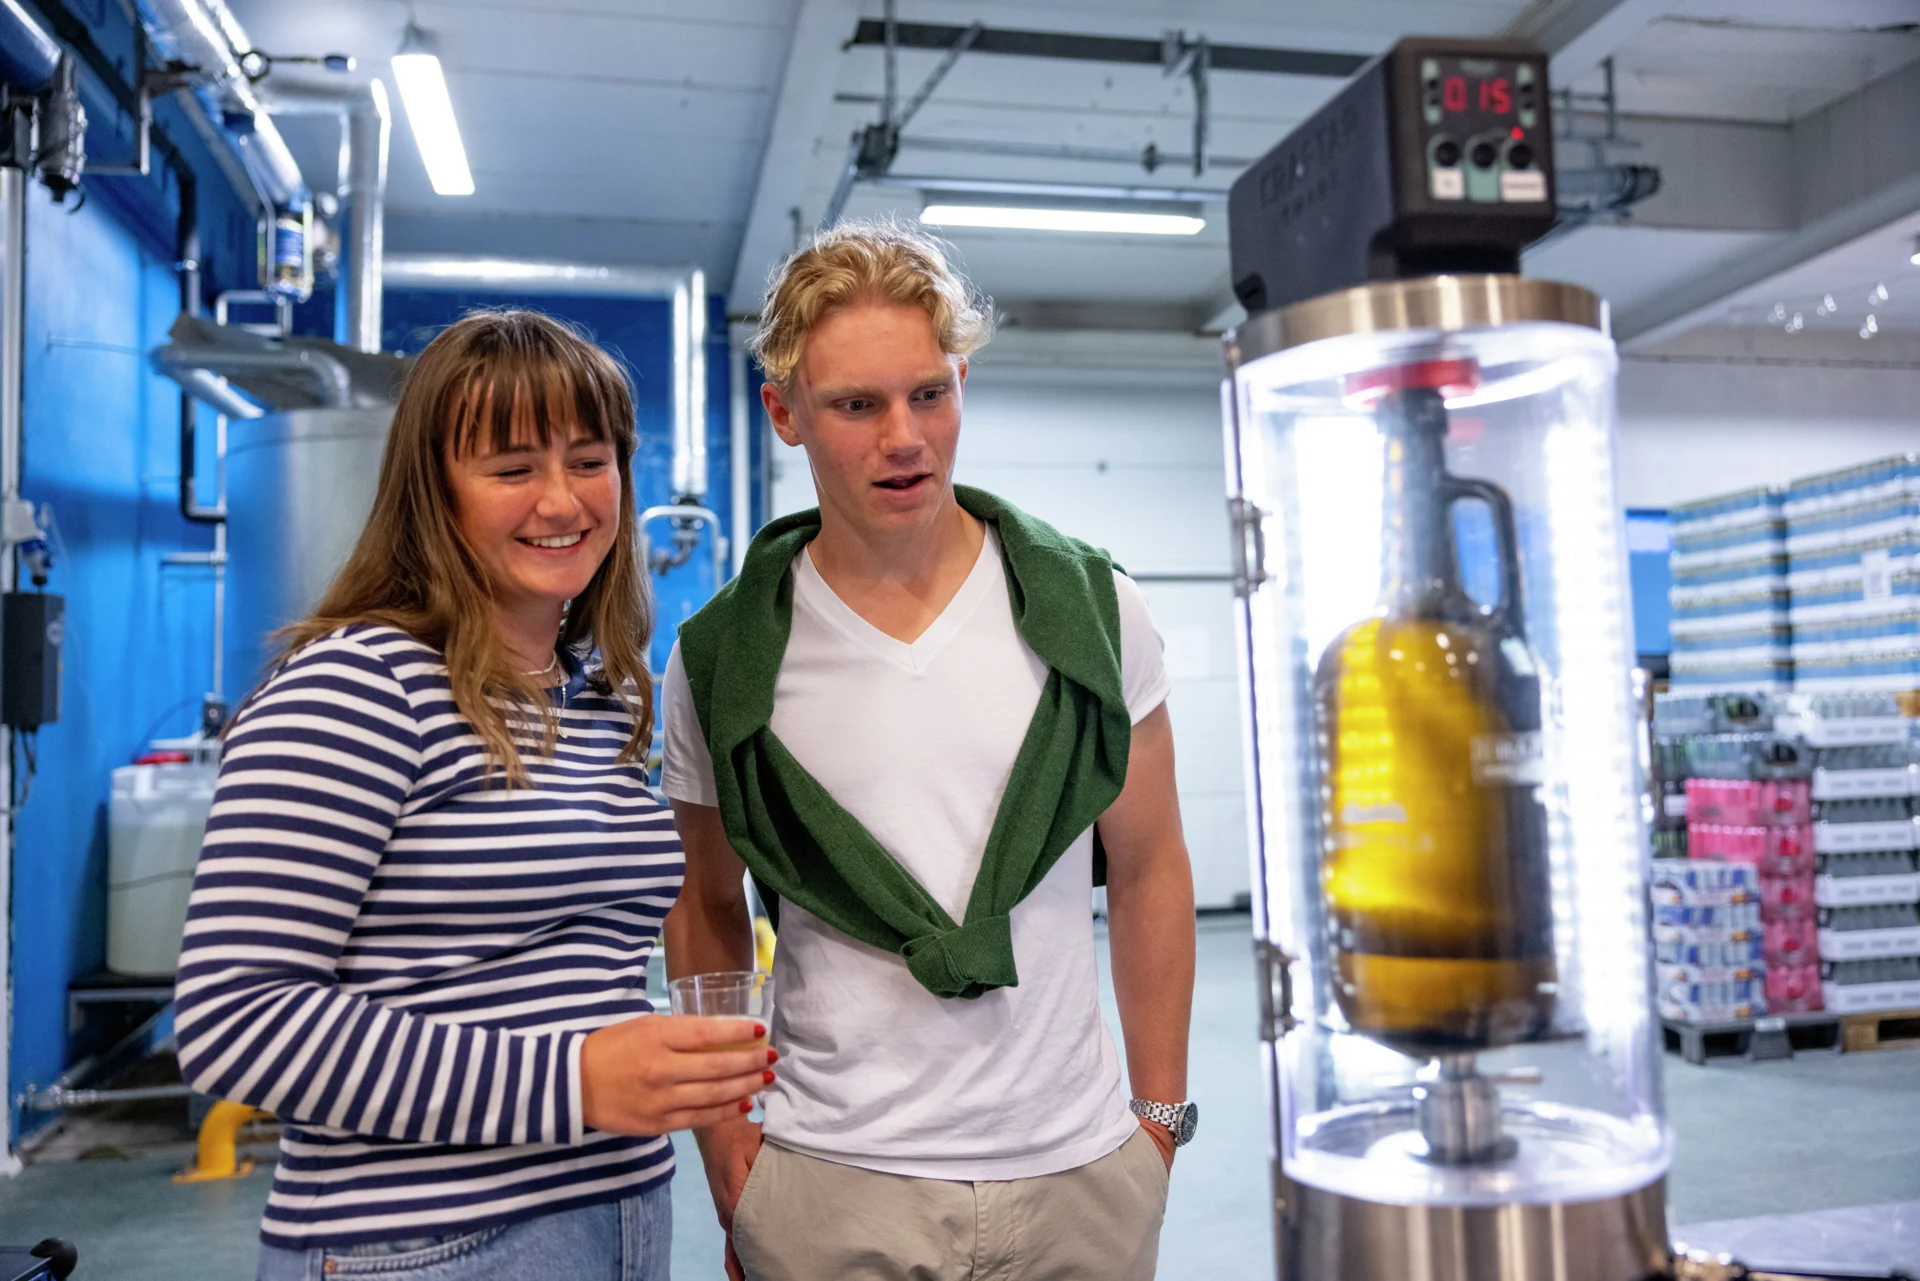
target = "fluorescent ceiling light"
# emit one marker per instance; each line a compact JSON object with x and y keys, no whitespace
{"x":1019,"y":218}
{"x":423,"y":91}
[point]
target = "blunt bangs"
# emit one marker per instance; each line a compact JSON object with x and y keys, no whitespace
{"x":529,"y":377}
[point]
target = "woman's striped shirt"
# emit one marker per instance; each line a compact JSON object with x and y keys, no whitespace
{"x":400,"y":957}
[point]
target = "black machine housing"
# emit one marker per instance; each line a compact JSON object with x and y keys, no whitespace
{"x":1437,"y":157}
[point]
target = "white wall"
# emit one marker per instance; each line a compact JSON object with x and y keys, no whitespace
{"x":1693,"y":428}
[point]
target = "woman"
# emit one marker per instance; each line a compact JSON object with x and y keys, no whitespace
{"x":434,"y":874}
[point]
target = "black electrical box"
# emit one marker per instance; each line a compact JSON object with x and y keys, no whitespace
{"x":32,"y":625}
{"x":1436,"y":158}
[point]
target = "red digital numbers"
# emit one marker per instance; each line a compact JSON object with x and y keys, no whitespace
{"x":1495,"y":95}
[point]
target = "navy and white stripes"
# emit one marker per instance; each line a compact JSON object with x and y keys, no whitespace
{"x":400,"y":959}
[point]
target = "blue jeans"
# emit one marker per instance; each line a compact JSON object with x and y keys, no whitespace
{"x":630,"y":1240}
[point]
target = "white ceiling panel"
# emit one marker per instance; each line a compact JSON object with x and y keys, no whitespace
{"x":1853,"y":276}
{"x":635,"y":130}
{"x":581,"y":118}
{"x":1762,"y":60}
{"x":1630,"y":265}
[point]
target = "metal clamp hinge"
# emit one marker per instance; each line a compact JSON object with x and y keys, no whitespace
{"x":1249,"y":546}
{"x":1276,"y":990}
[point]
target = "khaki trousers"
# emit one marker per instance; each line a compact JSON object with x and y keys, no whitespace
{"x":800,"y":1218}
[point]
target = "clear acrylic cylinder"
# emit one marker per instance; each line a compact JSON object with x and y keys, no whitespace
{"x":1449,"y":822}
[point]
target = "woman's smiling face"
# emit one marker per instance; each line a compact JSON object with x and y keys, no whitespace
{"x":541,"y":519}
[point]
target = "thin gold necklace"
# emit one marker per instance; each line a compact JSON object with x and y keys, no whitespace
{"x":548,"y":669}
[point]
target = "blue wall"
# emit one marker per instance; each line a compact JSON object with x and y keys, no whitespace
{"x":1649,"y":543}
{"x":101,"y":446}
{"x":638,"y":331}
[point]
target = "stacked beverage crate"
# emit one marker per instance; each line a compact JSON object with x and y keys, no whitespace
{"x":1731,"y":621}
{"x":1707,"y":941}
{"x":1765,"y":824}
{"x":1866,"y":791}
{"x":1740,"y":905}
{"x":1853,"y":548}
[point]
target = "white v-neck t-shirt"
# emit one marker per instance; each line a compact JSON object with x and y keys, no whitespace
{"x":917,"y":742}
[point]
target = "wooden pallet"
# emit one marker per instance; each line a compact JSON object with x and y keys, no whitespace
{"x":1880,"y":1030}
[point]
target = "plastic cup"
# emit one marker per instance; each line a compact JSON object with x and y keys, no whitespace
{"x":726,"y":994}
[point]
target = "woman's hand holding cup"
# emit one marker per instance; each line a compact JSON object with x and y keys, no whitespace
{"x":663,"y":1072}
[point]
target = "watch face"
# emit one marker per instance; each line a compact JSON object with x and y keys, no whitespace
{"x":1189,"y":1122}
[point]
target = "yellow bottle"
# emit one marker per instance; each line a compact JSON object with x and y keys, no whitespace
{"x":1434,"y":864}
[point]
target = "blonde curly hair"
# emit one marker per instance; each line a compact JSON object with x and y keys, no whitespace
{"x":866,"y":260}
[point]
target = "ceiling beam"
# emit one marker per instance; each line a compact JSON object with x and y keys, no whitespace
{"x":1122,"y":49}
{"x":820,"y":30}
{"x":1854,"y":168}
{"x":1579,"y":35}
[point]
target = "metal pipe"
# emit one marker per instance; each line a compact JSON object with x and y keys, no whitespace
{"x":56,"y":1098}
{"x":690,"y":379}
{"x":13,"y":226}
{"x":331,"y":381}
{"x":204,"y":36}
{"x":366,"y":128}
{"x":215,"y":393}
{"x":740,"y":451}
{"x":365,"y":165}
{"x":1041,"y":190}
{"x":682,"y":330}
{"x":531,"y":275}
{"x":689,"y":514}
{"x":28,"y":55}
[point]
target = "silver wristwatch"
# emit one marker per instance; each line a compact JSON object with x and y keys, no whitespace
{"x":1182,"y":1119}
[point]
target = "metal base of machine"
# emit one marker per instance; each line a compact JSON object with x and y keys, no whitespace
{"x":1329,"y":1237}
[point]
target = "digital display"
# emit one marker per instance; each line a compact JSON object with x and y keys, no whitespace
{"x":1492,"y":95}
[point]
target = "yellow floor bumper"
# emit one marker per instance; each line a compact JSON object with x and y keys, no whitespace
{"x":217,"y":1157}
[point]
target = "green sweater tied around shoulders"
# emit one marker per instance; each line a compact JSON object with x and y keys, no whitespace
{"x":802,"y":846}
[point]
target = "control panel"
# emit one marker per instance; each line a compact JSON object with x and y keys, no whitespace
{"x":1437,"y":157}
{"x":1480,"y":118}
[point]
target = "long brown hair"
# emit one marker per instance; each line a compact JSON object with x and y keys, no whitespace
{"x":486,"y":374}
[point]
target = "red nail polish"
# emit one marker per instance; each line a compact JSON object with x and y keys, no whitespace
{"x":759,"y":1029}
{"x":773,"y":1056}
{"x":746,"y":1105}
{"x":767,"y":1076}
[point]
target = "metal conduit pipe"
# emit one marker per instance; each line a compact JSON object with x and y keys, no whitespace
{"x":28,"y":56}
{"x":739,"y":442}
{"x":686,"y":518}
{"x":13,"y":221}
{"x":219,"y":396}
{"x":684,"y":287}
{"x":532,"y":275}
{"x":366,"y":127}
{"x":690,"y":387}
{"x":204,"y":35}
{"x":331,"y":381}
{"x":57,"y":1098}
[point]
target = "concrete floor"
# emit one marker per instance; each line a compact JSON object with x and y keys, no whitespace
{"x":1753,"y":1140}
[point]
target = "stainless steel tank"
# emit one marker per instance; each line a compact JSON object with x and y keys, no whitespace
{"x":299,"y":487}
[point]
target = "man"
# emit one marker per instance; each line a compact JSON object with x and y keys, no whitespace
{"x":921,"y":702}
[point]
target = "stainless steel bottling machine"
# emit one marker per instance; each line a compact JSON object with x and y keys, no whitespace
{"x":1448,"y":814}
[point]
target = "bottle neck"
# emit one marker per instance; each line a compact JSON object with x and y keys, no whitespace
{"x":1418,"y":564}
